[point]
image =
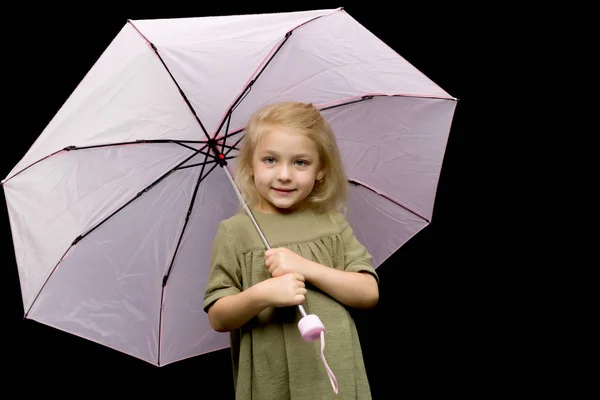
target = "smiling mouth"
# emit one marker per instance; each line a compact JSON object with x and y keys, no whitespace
{"x":283,"y":190}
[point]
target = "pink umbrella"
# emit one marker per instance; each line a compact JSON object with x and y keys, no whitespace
{"x":114,"y":207}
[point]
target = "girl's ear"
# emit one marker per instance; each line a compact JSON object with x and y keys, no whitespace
{"x":320,"y":175}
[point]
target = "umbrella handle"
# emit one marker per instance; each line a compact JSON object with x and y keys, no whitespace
{"x":311,"y":328}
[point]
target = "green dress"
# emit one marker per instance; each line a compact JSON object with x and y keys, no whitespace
{"x":270,"y":359}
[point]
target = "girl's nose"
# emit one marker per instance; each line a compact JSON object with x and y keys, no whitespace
{"x":284,"y":173}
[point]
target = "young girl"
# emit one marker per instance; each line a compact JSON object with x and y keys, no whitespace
{"x":289,"y":171}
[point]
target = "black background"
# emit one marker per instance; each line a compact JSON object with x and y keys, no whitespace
{"x":420,"y":338}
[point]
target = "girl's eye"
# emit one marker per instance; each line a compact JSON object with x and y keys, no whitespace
{"x":269,"y":160}
{"x":301,"y":163}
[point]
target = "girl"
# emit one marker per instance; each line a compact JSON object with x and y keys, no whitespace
{"x":290,"y":172}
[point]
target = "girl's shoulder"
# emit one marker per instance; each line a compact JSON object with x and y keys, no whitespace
{"x":239,"y":231}
{"x":235,"y":224}
{"x":338,"y":218}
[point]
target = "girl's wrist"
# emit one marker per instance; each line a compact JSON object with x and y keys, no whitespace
{"x":259,"y":296}
{"x":310,"y":270}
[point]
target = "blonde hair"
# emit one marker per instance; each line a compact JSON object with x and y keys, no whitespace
{"x":330,"y":192}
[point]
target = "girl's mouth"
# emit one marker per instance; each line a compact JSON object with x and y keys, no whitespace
{"x":283,"y":191}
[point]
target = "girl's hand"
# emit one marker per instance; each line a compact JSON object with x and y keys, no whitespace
{"x":281,"y":261}
{"x":283,"y":291}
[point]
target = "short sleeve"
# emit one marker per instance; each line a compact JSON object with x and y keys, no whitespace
{"x":356,"y":256}
{"x":224,"y":277}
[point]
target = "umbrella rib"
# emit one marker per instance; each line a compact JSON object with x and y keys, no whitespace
{"x":201,"y":177}
{"x":187,"y":217}
{"x":173,"y":78}
{"x":203,"y":163}
{"x":228,"y":135}
{"x":33,"y":163}
{"x":234,"y":145}
{"x":248,"y":87}
{"x":390,"y":198}
{"x":181,"y":143}
{"x":139,"y":141}
{"x":209,"y":162}
{"x":237,"y":131}
{"x":83,"y":235}
{"x":243,"y":95}
{"x":230,"y":147}
{"x":361,"y":99}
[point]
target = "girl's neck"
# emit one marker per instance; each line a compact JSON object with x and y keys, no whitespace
{"x":270,"y":209}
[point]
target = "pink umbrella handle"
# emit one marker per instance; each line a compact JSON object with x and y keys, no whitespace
{"x":311,"y":328}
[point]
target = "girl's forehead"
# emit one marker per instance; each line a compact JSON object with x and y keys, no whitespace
{"x":285,"y":140}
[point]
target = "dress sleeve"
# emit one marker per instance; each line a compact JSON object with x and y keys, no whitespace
{"x":224,"y":277}
{"x":356,"y":256}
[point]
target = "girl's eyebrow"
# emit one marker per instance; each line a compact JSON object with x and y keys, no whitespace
{"x":274,"y":153}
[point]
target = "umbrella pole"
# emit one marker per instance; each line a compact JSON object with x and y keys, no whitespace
{"x":310,"y":326}
{"x":262,"y":236}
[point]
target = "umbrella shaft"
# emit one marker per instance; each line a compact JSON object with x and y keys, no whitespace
{"x":262,"y":236}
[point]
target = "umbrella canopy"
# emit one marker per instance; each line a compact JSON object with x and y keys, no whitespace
{"x":114,"y":208}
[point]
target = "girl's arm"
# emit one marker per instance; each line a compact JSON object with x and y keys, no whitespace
{"x":232,"y":312}
{"x":354,"y":289}
{"x":353,"y":286}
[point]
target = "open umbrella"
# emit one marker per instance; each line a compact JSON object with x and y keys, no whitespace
{"x":114,"y":208}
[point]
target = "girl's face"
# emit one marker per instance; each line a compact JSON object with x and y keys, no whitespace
{"x":285,"y":166}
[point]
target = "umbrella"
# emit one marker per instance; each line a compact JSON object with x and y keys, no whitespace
{"x":114,"y":207}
